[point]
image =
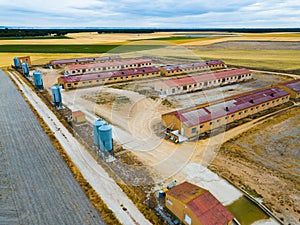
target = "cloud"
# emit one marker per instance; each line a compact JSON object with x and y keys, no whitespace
{"x":159,"y":13}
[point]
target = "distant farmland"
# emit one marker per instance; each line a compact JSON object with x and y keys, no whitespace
{"x":76,"y":48}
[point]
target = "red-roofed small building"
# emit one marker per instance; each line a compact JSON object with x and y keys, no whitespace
{"x":203,"y":81}
{"x":78,"y":117}
{"x":194,"y":121}
{"x":194,"y":205}
{"x":293,"y":87}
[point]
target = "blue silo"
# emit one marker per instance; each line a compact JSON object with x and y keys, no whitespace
{"x":105,"y":137}
{"x":56,"y":95}
{"x":98,"y":123}
{"x":38,"y":80}
{"x":16,"y":62}
{"x":25,"y":69}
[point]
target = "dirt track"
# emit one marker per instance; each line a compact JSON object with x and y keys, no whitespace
{"x":36,"y":186}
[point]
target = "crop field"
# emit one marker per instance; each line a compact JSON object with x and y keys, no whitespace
{"x":267,"y":163}
{"x":36,"y":186}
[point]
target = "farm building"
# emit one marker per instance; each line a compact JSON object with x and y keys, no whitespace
{"x":194,"y":121}
{"x":24,"y":59}
{"x":292,"y":87}
{"x":61,"y":63}
{"x":192,"y":67}
{"x":203,"y":81}
{"x":194,"y":205}
{"x":69,"y":82}
{"x":107,"y":66}
{"x":78,"y":117}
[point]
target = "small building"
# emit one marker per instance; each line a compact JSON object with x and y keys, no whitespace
{"x":194,"y":205}
{"x":200,"y":119}
{"x":78,"y":117}
{"x":203,"y":81}
{"x":292,"y":87}
{"x":61,"y":63}
{"x":24,"y":59}
{"x":192,"y":67}
{"x":94,"y":79}
{"x":107,"y":66}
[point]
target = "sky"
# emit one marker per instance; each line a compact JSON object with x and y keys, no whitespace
{"x":151,"y":13}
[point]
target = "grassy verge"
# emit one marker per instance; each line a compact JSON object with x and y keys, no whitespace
{"x":34,"y":38}
{"x":98,"y":203}
{"x":76,"y":48}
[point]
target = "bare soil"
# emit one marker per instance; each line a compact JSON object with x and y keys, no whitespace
{"x":267,"y":164}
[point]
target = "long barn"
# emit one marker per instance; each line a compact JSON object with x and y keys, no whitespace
{"x":107,"y":66}
{"x":61,"y":63}
{"x":87,"y":80}
{"x":202,"y":81}
{"x":192,"y":67}
{"x":194,"y":121}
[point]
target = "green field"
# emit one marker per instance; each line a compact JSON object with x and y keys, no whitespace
{"x":264,"y":59}
{"x":246,"y":212}
{"x":76,"y":48}
{"x":34,"y":38}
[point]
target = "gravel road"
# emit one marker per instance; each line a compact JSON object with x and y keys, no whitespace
{"x":36,"y":186}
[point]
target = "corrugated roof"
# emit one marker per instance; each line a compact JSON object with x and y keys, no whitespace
{"x":294,"y":85}
{"x":90,"y":59}
{"x":202,"y":203}
{"x":193,"y":65}
{"x":197,"y":115}
{"x":106,"y":64}
{"x":185,"y":192}
{"x":204,"y":77}
{"x":209,"y":210}
{"x":77,"y":113}
{"x":103,"y":75}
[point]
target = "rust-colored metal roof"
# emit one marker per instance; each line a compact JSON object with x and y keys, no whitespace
{"x":217,"y":109}
{"x":202,"y":203}
{"x":77,"y":113}
{"x":79,"y":60}
{"x":103,"y":75}
{"x":209,"y":210}
{"x":293,"y":85}
{"x":205,"y":77}
{"x":107,"y":64}
{"x":185,"y":192}
{"x":193,"y":65}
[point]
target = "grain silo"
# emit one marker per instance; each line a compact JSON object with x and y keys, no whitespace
{"x":105,"y":137}
{"x":56,"y":96}
{"x":96,"y":125}
{"x":38,"y":80}
{"x":16,"y":63}
{"x":25,"y":69}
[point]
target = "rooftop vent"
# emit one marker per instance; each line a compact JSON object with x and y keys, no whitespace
{"x":227,"y":109}
{"x":251,"y":101}
{"x":272,"y":94}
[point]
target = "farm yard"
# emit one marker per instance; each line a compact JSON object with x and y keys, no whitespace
{"x":134,"y":110}
{"x":36,"y":185}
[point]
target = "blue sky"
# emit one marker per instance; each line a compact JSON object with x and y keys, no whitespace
{"x":160,"y":14}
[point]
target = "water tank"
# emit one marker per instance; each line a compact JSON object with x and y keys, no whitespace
{"x":16,"y":62}
{"x":25,"y":69}
{"x":98,"y":123}
{"x":56,"y":95}
{"x":38,"y":80}
{"x":105,"y":137}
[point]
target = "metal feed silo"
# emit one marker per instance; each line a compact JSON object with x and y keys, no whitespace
{"x":38,"y":80}
{"x":98,"y":123}
{"x":16,"y":62}
{"x":56,"y":95}
{"x":105,"y":137}
{"x":25,"y":69}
